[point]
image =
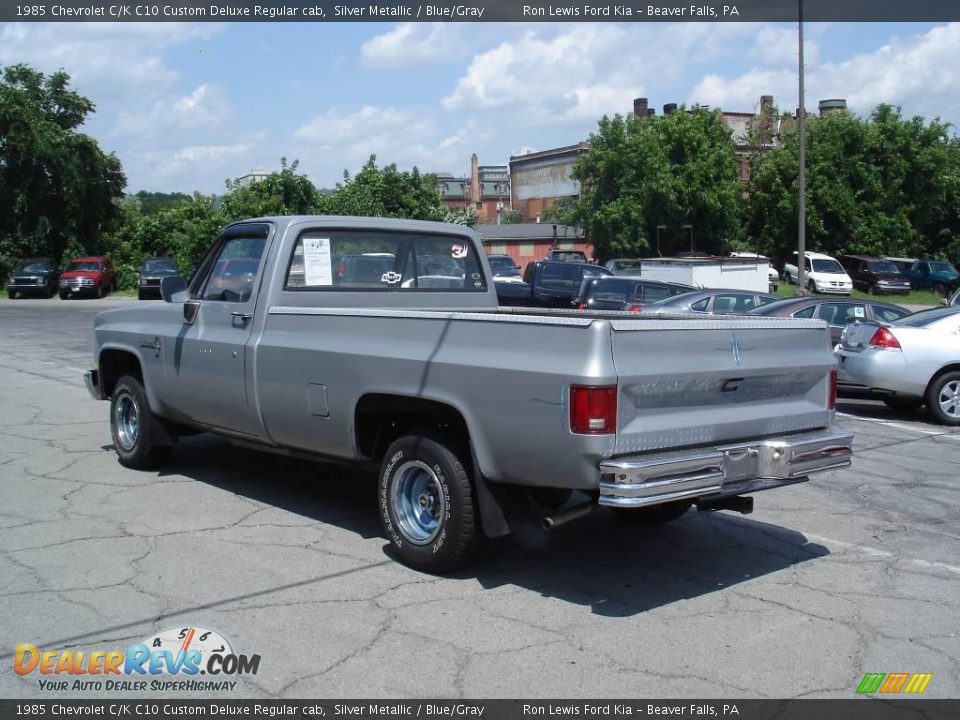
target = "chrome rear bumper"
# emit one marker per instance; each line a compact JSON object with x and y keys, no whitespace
{"x":714,"y":472}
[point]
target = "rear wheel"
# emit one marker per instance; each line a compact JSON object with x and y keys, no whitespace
{"x":903,"y":404}
{"x":138,"y":436}
{"x":940,"y":289}
{"x":426,"y":503}
{"x":943,"y":398}
{"x":655,"y":514}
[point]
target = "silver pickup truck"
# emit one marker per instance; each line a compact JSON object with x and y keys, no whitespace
{"x":380,"y":341}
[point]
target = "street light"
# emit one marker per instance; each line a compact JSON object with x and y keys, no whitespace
{"x":690,"y":228}
{"x":802,"y":172}
{"x":659,"y":228}
{"x":501,"y":188}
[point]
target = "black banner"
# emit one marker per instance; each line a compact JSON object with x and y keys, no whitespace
{"x":480,"y":11}
{"x":855,"y":709}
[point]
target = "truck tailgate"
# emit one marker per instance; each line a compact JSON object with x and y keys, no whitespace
{"x":701,"y":381}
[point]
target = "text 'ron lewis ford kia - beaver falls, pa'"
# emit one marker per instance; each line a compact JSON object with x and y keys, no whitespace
{"x":381,"y":342}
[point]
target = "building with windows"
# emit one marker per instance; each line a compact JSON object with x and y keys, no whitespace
{"x":527,"y":242}
{"x":486,"y":190}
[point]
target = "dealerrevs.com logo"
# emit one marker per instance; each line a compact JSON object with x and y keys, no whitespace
{"x":171,"y":660}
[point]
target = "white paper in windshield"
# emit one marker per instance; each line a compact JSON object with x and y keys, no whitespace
{"x":317,"y":267}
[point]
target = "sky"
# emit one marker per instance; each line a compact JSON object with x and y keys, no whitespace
{"x":186,"y":106}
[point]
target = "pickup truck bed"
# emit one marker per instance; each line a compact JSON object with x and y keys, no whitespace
{"x":460,"y":401}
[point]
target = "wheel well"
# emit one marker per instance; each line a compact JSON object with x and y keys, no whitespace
{"x":942,"y":371}
{"x":114,"y":364}
{"x":380,"y":419}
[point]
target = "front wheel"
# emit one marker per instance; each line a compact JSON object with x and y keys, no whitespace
{"x":943,"y":398}
{"x":812,"y":287}
{"x":940,"y":289}
{"x":871,"y":289}
{"x":11,"y":294}
{"x":64,"y":295}
{"x":426,"y":503}
{"x":655,"y":514}
{"x":138,"y":437}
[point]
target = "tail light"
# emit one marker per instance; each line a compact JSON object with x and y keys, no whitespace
{"x":593,"y":410}
{"x":832,"y":398}
{"x":581,"y":306}
{"x":634,"y":308}
{"x":885,"y":339}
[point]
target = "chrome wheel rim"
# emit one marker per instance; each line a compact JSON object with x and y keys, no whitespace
{"x":127,"y":419}
{"x":950,"y":399}
{"x":418,"y":502}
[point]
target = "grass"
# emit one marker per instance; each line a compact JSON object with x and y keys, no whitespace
{"x":914,"y":297}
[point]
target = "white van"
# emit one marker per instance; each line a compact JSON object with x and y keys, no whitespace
{"x":822,"y":274}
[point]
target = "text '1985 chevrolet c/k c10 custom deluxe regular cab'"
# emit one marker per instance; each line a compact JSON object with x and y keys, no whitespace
{"x":380,"y":341}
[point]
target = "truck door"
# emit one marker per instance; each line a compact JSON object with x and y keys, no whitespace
{"x":206,"y":376}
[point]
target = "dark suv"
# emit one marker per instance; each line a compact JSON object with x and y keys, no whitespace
{"x":623,"y":293}
{"x":875,"y":276}
{"x":34,"y":276}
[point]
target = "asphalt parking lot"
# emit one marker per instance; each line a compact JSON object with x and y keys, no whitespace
{"x":856,"y":571}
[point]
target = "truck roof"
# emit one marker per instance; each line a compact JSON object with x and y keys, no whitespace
{"x":431,"y":226}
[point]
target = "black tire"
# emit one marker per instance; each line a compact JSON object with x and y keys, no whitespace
{"x":943,"y":398}
{"x":655,"y":514}
{"x":99,"y":292}
{"x":786,"y":278}
{"x":812,"y":287}
{"x":871,"y":289}
{"x":11,"y":294}
{"x":903,"y":404}
{"x":426,"y":503}
{"x":940,"y":289}
{"x":63,"y":295}
{"x":141,"y":295}
{"x":138,"y":435}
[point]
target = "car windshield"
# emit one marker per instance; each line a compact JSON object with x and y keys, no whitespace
{"x":159,"y":266}
{"x":925,"y":317}
{"x":499,"y":264}
{"x":882,"y":266}
{"x":942,"y":267}
{"x":826,"y":265}
{"x":33,"y":266}
{"x":89,"y":266}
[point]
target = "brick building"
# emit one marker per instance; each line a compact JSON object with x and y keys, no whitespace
{"x":486,"y":190}
{"x":527,"y":242}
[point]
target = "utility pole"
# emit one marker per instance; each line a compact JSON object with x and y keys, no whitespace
{"x":801,"y":175}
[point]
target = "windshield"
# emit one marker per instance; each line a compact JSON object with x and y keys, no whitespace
{"x":500,"y":264}
{"x":824,"y":265}
{"x":159,"y":266}
{"x":883,"y":267}
{"x":88,"y":266}
{"x":942,"y":267}
{"x":925,"y":317}
{"x":33,"y":266}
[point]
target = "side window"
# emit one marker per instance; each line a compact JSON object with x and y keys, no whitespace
{"x":442,"y":263}
{"x":652,"y":293}
{"x":887,"y":314}
{"x":807,"y":312}
{"x":234,"y":270}
{"x":725,"y":303}
{"x":700,"y":305}
{"x":558,"y":276}
{"x":839,"y":314}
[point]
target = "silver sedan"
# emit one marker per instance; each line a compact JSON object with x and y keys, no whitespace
{"x":916,"y":359}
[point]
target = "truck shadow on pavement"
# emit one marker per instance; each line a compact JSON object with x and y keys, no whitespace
{"x":600,"y":562}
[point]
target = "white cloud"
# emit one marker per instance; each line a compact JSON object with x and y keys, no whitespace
{"x":410,"y":44}
{"x":205,"y":108}
{"x":919,"y":73}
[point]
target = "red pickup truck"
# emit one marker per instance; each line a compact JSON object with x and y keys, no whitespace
{"x":87,"y":276}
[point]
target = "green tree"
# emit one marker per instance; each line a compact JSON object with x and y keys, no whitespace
{"x":153,"y":202}
{"x":386,"y":192}
{"x":511,"y":217}
{"x":280,"y":193}
{"x":57,"y":187}
{"x":675,"y":170}
{"x":882,"y":185}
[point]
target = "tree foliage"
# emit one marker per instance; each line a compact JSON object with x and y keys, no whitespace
{"x":57,"y":187}
{"x":882,"y":185}
{"x":386,"y":192}
{"x":280,"y":193}
{"x":673,"y":171}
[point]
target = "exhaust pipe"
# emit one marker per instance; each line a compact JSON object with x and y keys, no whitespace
{"x":552,"y":522}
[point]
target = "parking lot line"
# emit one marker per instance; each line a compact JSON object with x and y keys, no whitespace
{"x":866,"y":550}
{"x":898,"y":426}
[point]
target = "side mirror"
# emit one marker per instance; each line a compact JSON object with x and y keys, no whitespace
{"x":172,"y":287}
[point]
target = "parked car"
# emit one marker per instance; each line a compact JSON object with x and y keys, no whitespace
{"x":548,"y":284}
{"x":624,"y":293}
{"x":836,"y":312}
{"x":34,"y":276}
{"x":936,"y":275}
{"x":773,"y":276}
{"x":151,"y":272}
{"x":914,"y":359}
{"x":875,"y":276}
{"x":87,"y":276}
{"x":504,"y":269}
{"x":712,"y":302}
{"x":625,"y":266}
{"x":577,"y":256}
{"x":822,"y":274}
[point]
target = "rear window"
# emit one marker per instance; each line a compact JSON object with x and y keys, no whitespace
{"x":383,"y":261}
{"x":925,"y":317}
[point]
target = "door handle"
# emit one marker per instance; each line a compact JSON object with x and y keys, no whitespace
{"x":241,"y":315}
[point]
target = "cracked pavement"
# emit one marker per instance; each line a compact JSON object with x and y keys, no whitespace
{"x":857,"y":571}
